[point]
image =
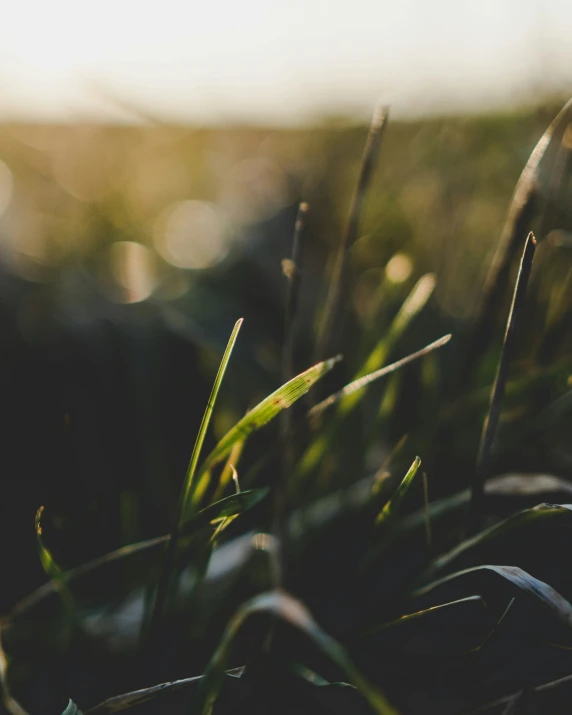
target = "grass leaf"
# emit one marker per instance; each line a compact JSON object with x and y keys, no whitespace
{"x":185,"y":501}
{"x":366,"y":380}
{"x":539,"y":590}
{"x":283,"y":398}
{"x":72,"y":709}
{"x":282,"y":605}
{"x":492,"y":419}
{"x":185,"y":506}
{"x":391,"y":509}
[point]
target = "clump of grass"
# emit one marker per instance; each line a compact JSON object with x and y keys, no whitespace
{"x":390,"y":602}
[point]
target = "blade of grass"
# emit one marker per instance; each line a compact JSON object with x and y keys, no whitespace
{"x":523,"y":206}
{"x":412,"y":305}
{"x":184,"y":510}
{"x":227,"y":472}
{"x":281,"y":604}
{"x":55,"y":573}
{"x":283,"y":398}
{"x":520,"y":520}
{"x":467,"y":605}
{"x":492,"y":419}
{"x":188,"y":485}
{"x":364,"y":381}
{"x":391,"y":509}
{"x":292,"y":269}
{"x":338,"y":282}
{"x":543,"y":592}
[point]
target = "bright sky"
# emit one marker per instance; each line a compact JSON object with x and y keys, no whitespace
{"x":278,"y":60}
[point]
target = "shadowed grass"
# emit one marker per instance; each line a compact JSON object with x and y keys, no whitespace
{"x":492,"y":419}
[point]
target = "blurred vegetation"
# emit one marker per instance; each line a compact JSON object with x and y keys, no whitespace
{"x":126,"y":256}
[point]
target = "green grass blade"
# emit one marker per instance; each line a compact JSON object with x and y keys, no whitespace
{"x":227,"y":473}
{"x":525,"y":202}
{"x":391,"y":509}
{"x":366,"y":380}
{"x":281,"y":604}
{"x":54,"y":572}
{"x":281,"y":399}
{"x":412,"y":305}
{"x":528,"y":518}
{"x":188,"y":484}
{"x":184,"y":510}
{"x":231,"y":506}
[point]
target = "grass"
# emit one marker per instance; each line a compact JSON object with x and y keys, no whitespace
{"x":332,"y":579}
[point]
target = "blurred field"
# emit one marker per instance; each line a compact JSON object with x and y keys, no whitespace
{"x":127,"y":254}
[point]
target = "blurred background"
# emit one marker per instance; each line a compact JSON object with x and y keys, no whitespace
{"x":152,"y":158}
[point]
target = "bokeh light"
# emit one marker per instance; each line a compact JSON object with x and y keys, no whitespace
{"x":254,"y":190}
{"x":133,"y":267}
{"x":191,"y":234}
{"x":399,"y":268}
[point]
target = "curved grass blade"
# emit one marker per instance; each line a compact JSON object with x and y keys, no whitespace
{"x":541,"y":591}
{"x":227,"y":473}
{"x":184,"y":509}
{"x":391,"y":509}
{"x":266,"y":410}
{"x":509,"y":486}
{"x":524,"y":203}
{"x":518,"y":521}
{"x":364,"y":381}
{"x":282,"y":605}
{"x":72,"y":709}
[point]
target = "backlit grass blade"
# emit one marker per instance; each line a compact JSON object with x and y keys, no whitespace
{"x":227,"y":473}
{"x":412,"y":305}
{"x":469,"y":602}
{"x":391,"y":509}
{"x":188,"y":485}
{"x":281,"y":399}
{"x":366,"y":380}
{"x":282,"y":605}
{"x":184,"y":510}
{"x":226,"y":508}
